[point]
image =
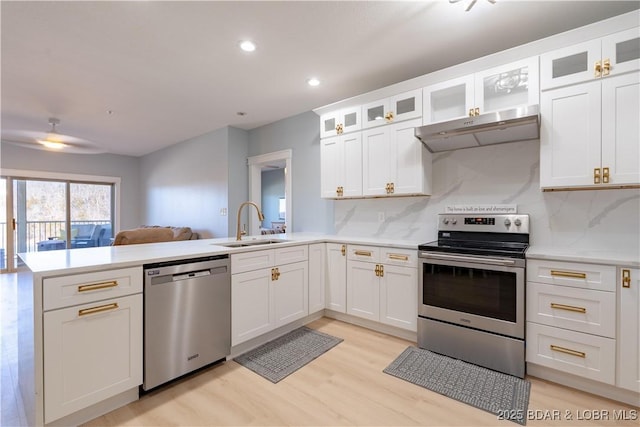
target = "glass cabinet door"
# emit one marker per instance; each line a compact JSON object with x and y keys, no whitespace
{"x":328,"y":123}
{"x":569,"y":65}
{"x":621,"y":52}
{"x":406,"y":106}
{"x":509,"y":86}
{"x":447,"y":100}
{"x":350,"y":119}
{"x":373,"y":113}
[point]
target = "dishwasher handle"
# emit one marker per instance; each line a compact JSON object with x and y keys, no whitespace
{"x":191,"y":275}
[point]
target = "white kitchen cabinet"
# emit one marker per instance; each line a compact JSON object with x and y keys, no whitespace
{"x":379,"y":291}
{"x":340,"y":121}
{"x":341,"y":166}
{"x":404,"y":106}
{"x":289,"y":291}
{"x":571,"y":318}
{"x":251,"y":307}
{"x":506,"y":86}
{"x":336,"y":277}
{"x":317,"y":276}
{"x":595,"y":59}
{"x":394,"y":161}
{"x":93,"y":342}
{"x":628,"y":367}
{"x":272,"y":294}
{"x":590,"y":134}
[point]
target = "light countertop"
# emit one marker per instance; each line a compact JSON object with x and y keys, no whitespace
{"x":587,"y":256}
{"x":72,"y":261}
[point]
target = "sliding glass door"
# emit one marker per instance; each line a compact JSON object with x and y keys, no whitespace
{"x":48,"y":215}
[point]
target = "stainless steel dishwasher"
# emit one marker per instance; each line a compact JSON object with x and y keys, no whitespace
{"x":187,"y":317}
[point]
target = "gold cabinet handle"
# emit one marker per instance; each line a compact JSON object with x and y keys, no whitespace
{"x":98,"y":309}
{"x":476,"y":112}
{"x":567,"y":351}
{"x":273,"y":274}
{"x":96,"y":286}
{"x":606,"y":67}
{"x":339,"y":191}
{"x":626,"y":278}
{"x":377,"y":270}
{"x":471,"y":112}
{"x":568,"y":307}
{"x":399,"y":257}
{"x":605,"y":175}
{"x":362,"y":253}
{"x":387,"y":187}
{"x":571,"y":274}
{"x":381,"y":270}
{"x":389,"y":117}
{"x":339,"y":128}
{"x":598,"y":69}
{"x":393,"y":188}
{"x":596,"y":175}
{"x":277,"y":273}
{"x":343,"y":250}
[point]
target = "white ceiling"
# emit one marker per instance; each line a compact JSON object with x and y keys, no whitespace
{"x":170,"y":71}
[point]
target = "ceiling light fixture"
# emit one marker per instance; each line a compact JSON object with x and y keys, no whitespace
{"x":53,"y":140}
{"x":471,"y":3}
{"x":313,"y":81}
{"x":247,"y":46}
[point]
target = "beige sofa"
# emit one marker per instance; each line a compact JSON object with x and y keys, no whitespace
{"x":153,"y":234}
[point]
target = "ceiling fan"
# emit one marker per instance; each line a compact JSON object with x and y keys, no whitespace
{"x":50,"y":140}
{"x":471,"y":3}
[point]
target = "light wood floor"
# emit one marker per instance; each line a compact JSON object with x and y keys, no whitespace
{"x":343,"y":387}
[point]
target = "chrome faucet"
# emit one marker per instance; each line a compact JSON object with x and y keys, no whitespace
{"x":240,"y":233}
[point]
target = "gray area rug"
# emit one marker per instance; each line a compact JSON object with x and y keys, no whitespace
{"x":501,"y":394}
{"x":281,"y":357}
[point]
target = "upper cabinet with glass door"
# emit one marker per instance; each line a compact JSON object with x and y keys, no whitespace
{"x":340,"y":121}
{"x":394,"y":109}
{"x":503,"y":87}
{"x":608,"y":56}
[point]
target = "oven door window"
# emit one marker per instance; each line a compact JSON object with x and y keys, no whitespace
{"x":478,"y":291}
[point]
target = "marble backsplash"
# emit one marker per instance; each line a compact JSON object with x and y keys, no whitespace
{"x":590,"y":220}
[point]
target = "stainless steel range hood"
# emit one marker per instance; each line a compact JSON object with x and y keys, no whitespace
{"x":518,"y":124}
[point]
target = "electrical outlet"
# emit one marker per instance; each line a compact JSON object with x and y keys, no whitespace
{"x":380,"y":216}
{"x":223,"y":212}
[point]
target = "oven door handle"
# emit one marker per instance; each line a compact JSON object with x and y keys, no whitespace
{"x":444,"y":257}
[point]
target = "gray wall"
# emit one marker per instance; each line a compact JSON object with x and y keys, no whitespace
{"x":125,"y":167}
{"x":186,"y":184}
{"x":238,"y":176}
{"x":300,"y":133}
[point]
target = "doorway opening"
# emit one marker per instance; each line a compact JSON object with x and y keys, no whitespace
{"x":270,"y":164}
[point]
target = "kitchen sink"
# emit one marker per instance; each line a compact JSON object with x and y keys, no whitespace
{"x":244,"y":243}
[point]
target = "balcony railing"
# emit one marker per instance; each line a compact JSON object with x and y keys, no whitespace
{"x":38,"y":231}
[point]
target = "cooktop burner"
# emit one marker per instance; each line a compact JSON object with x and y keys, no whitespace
{"x":484,"y":235}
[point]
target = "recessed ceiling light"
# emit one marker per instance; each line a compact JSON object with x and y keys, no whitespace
{"x":313,"y":81}
{"x":247,"y":46}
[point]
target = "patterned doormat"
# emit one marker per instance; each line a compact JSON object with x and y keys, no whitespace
{"x":281,"y":357}
{"x":504,"y":395}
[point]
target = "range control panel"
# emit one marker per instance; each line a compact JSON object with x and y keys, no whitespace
{"x":515,"y":223}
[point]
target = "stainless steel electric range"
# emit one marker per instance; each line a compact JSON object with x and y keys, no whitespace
{"x":472,"y":293}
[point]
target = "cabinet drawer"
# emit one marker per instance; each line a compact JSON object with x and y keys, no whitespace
{"x":76,"y":289}
{"x":577,"y":275}
{"x":580,"y":354}
{"x":249,"y":261}
{"x":363,"y":253}
{"x":291,"y":254}
{"x":583,"y":310}
{"x":404,"y":257}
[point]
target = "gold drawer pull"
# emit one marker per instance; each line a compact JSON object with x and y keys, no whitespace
{"x":626,"y":278}
{"x":568,"y":351}
{"x":343,"y":250}
{"x":568,"y":308}
{"x":99,"y":309}
{"x":96,"y":286}
{"x":558,"y":273}
{"x":399,"y":257}
{"x":363,"y":253}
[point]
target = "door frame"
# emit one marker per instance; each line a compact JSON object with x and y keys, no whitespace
{"x":22,"y":174}
{"x":256,"y":165}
